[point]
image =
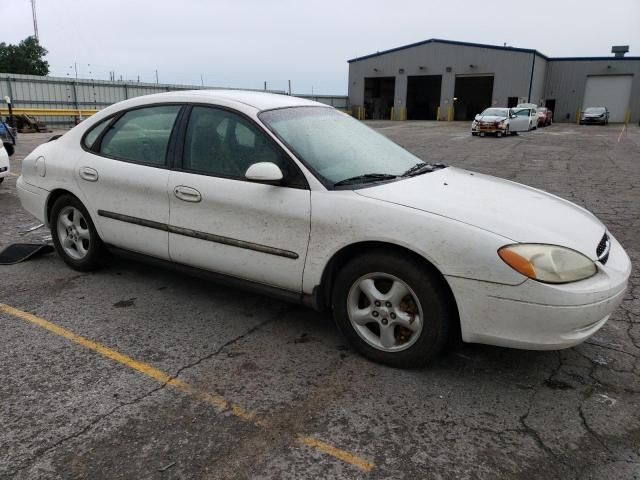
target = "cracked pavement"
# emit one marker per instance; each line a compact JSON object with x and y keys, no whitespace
{"x":476,"y":412}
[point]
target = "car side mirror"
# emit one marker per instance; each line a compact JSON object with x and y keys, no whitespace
{"x":9,"y":148}
{"x":513,"y":115}
{"x":266,"y":172}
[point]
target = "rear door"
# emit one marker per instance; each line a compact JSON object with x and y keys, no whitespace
{"x":124,"y":174}
{"x":221,"y":222}
{"x":522,"y":120}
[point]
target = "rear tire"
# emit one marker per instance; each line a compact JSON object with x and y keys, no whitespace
{"x":74,"y":236}
{"x":393,"y":310}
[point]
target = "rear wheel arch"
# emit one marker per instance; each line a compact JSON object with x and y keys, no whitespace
{"x":57,"y":193}
{"x":344,"y":255}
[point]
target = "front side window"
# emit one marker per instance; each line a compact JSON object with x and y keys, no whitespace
{"x":141,"y":135}
{"x":523,"y":113}
{"x":222,"y":143}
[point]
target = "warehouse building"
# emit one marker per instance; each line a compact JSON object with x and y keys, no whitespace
{"x":449,"y":80}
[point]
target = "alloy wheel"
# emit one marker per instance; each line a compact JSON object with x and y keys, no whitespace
{"x":73,"y":233}
{"x":385,"y":312}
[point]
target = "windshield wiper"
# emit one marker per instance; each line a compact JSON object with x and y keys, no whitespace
{"x":420,"y":168}
{"x":364,"y":178}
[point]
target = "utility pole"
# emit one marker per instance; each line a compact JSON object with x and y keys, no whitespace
{"x":201,"y":81}
{"x":35,"y":20}
{"x":289,"y":87}
{"x":265,"y":85}
{"x":157,"y":76}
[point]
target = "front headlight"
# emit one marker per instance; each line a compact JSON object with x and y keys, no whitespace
{"x":548,"y":263}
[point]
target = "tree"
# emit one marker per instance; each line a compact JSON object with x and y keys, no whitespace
{"x":26,"y":58}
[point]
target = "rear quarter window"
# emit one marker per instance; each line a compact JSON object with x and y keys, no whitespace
{"x":92,"y":135}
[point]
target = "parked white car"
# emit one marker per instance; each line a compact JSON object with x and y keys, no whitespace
{"x":296,"y":199}
{"x":6,"y":150}
{"x":533,"y":113}
{"x":501,"y":121}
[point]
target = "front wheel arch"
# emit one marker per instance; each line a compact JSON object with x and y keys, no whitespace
{"x":324,"y":291}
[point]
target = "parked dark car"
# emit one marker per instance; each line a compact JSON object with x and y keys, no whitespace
{"x":599,"y":115}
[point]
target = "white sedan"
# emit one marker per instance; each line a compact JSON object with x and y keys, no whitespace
{"x":6,"y":150}
{"x":501,"y":121}
{"x":296,"y":199}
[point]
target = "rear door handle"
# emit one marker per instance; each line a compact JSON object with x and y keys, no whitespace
{"x":187,"y":194}
{"x":88,"y":174}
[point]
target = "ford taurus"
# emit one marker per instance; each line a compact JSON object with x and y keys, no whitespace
{"x":296,"y":199}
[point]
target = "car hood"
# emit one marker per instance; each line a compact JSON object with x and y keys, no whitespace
{"x":509,"y":209}
{"x":490,"y":118}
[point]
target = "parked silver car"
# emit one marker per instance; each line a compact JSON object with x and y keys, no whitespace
{"x":597,"y":115}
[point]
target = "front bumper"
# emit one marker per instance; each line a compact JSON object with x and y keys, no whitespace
{"x":541,"y":316}
{"x":491,"y":128}
{"x":593,"y":121}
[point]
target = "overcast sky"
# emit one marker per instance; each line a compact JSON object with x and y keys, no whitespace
{"x":242,"y":43}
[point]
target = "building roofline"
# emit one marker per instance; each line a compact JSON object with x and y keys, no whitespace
{"x":449,"y":42}
{"x":608,"y":59}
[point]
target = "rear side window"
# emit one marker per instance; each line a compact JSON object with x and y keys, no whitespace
{"x":91,"y":137}
{"x":141,"y":135}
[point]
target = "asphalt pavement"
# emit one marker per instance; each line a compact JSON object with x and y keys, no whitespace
{"x":135,"y":372}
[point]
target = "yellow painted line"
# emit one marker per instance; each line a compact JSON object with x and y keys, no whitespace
{"x":343,"y":455}
{"x":214,"y":400}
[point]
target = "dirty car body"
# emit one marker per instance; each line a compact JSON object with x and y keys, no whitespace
{"x":293,"y":198}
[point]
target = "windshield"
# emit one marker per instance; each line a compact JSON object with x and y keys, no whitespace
{"x":496,"y":112}
{"x":336,"y":146}
{"x":594,"y":110}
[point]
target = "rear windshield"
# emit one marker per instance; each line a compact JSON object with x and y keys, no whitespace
{"x":594,"y":110}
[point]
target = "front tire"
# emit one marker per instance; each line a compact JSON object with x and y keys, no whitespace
{"x":74,"y":236}
{"x":393,"y":310}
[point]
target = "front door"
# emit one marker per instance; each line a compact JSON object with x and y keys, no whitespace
{"x":221,"y":222}
{"x":124,"y":176}
{"x":521,"y":121}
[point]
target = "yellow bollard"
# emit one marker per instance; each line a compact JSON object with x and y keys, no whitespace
{"x":627,"y":119}
{"x":438,"y":114}
{"x":392,"y":113}
{"x":578,"y":112}
{"x":403,"y":113}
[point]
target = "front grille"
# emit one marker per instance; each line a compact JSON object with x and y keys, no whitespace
{"x":602,"y":251}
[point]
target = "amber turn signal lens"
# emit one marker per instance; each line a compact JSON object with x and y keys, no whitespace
{"x":517,"y":262}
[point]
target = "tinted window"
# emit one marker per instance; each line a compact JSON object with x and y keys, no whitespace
{"x":220,"y":142}
{"x":522,"y":113}
{"x":95,"y":132}
{"x":141,"y":135}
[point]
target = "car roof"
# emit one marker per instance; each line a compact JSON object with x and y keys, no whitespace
{"x":257,"y":100}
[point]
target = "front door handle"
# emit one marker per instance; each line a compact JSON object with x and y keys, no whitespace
{"x":187,"y":194}
{"x":88,"y":174}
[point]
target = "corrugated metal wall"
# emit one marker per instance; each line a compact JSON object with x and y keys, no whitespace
{"x":511,"y":70}
{"x":562,"y":80}
{"x":567,"y":79}
{"x":29,"y":91}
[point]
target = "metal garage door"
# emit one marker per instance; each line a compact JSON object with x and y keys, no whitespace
{"x":611,"y":91}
